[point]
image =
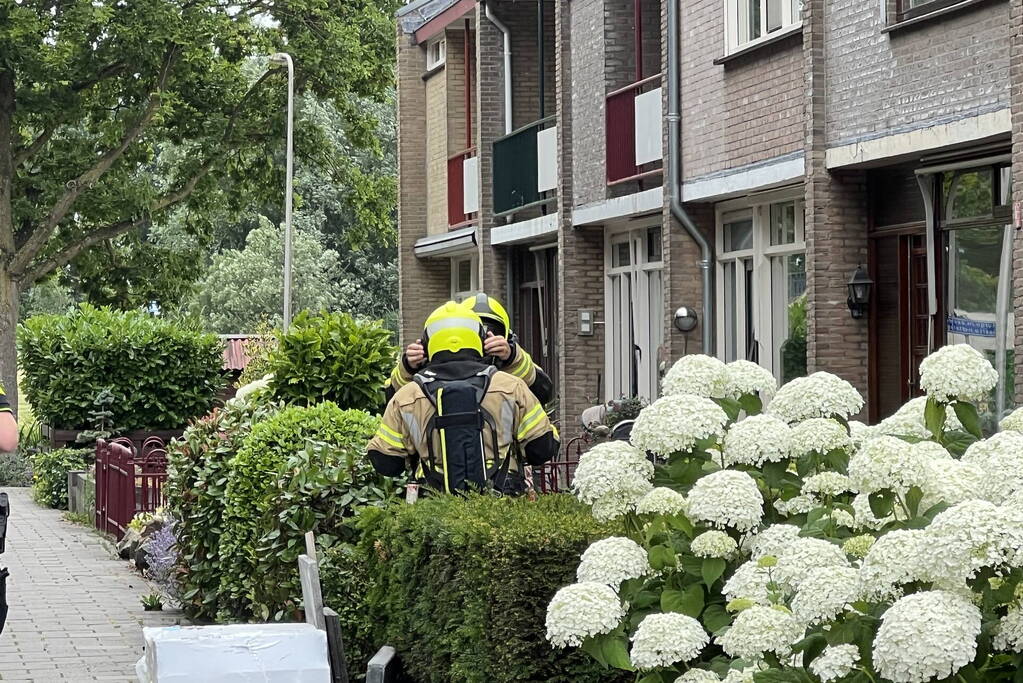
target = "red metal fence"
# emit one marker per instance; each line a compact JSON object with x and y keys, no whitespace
{"x":128,"y":482}
{"x":556,"y":475}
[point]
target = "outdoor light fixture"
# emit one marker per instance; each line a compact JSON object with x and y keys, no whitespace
{"x":859,"y":292}
{"x":685,"y":320}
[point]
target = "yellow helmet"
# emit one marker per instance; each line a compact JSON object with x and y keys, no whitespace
{"x":453,"y":327}
{"x":490,"y":310}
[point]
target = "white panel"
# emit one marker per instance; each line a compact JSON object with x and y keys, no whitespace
{"x":648,"y":127}
{"x":547,"y":160}
{"x":471,"y":185}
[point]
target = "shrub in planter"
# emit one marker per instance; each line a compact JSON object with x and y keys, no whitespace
{"x":50,"y":470}
{"x":162,"y":374}
{"x":198,"y":467}
{"x":264,"y":484}
{"x":332,"y":357}
{"x":459,"y":586}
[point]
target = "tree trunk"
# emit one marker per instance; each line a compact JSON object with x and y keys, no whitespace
{"x":8,"y":332}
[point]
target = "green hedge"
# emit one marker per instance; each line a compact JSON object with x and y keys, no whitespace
{"x":162,"y":374}
{"x":49,"y":474}
{"x":460,"y":587}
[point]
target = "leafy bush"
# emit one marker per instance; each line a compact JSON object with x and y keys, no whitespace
{"x":267,"y":492}
{"x":16,"y":468}
{"x":258,"y":349}
{"x":50,"y":469}
{"x":162,"y":374}
{"x":332,"y":357}
{"x":196,"y":484}
{"x":459,"y":586}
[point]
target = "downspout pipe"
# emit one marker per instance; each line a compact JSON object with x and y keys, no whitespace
{"x":500,"y":25}
{"x":675,"y":179}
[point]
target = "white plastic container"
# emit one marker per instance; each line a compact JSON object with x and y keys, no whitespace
{"x":269,"y":653}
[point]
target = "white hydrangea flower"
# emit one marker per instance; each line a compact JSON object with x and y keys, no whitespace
{"x":1001,"y":457}
{"x":858,"y":546}
{"x":253,"y":389}
{"x":666,"y":639}
{"x":803,"y":554}
{"x":894,"y":559}
{"x":726,"y":498}
{"x":952,"y":482}
{"x":926,"y":635}
{"x":932,"y":452}
{"x":744,"y":675}
{"x":756,"y":440}
{"x":661,"y":500}
{"x":582,"y":610}
{"x":675,"y":423}
{"x":1013,"y":422}
{"x":612,"y":477}
{"x":824,"y":593}
{"x":911,"y":416}
{"x":798,"y":505}
{"x":865,"y":518}
{"x":819,"y":395}
{"x":698,"y":676}
{"x":761,"y":629}
{"x":771,"y":540}
{"x":1009,"y":632}
{"x":859,"y":432}
{"x":713,"y":543}
{"x":698,"y":375}
{"x":837,"y":661}
{"x":612,"y":561}
{"x":969,"y":536}
{"x":819,"y":435}
{"x":750,"y":581}
{"x":886,"y":462}
{"x":843,"y":518}
{"x":826,"y":484}
{"x":957,"y":372}
{"x":745,"y":377}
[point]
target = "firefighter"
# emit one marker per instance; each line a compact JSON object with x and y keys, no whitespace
{"x":460,"y":423}
{"x":501,"y":348}
{"x":8,"y":425}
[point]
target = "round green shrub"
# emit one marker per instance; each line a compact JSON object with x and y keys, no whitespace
{"x":300,"y":455}
{"x":49,"y":474}
{"x":332,"y":357}
{"x":161,"y":374}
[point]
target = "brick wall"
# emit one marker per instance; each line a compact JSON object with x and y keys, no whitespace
{"x":454,"y":71}
{"x":945,"y":69}
{"x":684,"y":279}
{"x":744,"y":111}
{"x":421,"y":283}
{"x":586,"y":92}
{"x":436,"y":152}
{"x":1016,"y":57}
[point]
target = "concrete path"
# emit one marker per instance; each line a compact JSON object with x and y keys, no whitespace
{"x":75,"y":613}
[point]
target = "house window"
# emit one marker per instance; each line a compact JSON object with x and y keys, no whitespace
{"x":436,"y":52}
{"x":761,"y":259}
{"x":464,"y":278}
{"x":634,"y":306}
{"x":750,"y":21}
{"x":908,"y":9}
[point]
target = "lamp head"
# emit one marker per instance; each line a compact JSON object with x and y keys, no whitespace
{"x":280,"y":58}
{"x":685,"y":320}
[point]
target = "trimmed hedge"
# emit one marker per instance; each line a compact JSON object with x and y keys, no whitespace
{"x":460,"y":587}
{"x":161,"y":374}
{"x":49,"y":474}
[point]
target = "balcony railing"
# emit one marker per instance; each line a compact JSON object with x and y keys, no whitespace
{"x":633,"y":133}
{"x":463,"y":188}
{"x":525,"y":164}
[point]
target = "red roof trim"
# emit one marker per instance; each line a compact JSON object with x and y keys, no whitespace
{"x":435,"y":26}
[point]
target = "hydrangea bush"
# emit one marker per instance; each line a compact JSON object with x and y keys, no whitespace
{"x":770,"y":538}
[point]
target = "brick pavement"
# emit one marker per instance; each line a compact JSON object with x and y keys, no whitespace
{"x":75,"y":613}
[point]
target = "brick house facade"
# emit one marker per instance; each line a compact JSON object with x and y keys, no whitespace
{"x":816,"y":137}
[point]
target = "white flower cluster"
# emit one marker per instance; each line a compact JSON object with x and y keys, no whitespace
{"x":750,"y":581}
{"x":761,"y":629}
{"x":757,"y":440}
{"x":666,"y":639}
{"x":771,"y":540}
{"x":698,"y":375}
{"x":819,"y":395}
{"x":864,"y":516}
{"x":819,"y":435}
{"x":895,"y":559}
{"x":969,"y":536}
{"x":800,"y":556}
{"x":1009,"y":632}
{"x":886,"y":462}
{"x":1013,"y":422}
{"x":612,"y":561}
{"x":824,"y":593}
{"x":726,"y":498}
{"x":713,"y":543}
{"x":675,"y":423}
{"x":927,"y":635}
{"x":582,"y":610}
{"x":826,"y":484}
{"x":661,"y":500}
{"x":837,"y":661}
{"x":798,"y":505}
{"x":612,"y":477}
{"x":698,"y":676}
{"x":744,"y":377}
{"x":957,"y":372}
{"x":909,"y":420}
{"x":1001,"y":458}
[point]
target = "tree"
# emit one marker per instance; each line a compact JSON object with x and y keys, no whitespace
{"x":114,"y":114}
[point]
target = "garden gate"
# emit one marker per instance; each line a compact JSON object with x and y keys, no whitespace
{"x":127,"y":482}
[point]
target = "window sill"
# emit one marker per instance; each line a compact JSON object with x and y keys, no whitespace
{"x":932,"y":16}
{"x":771,"y":39}
{"x":430,"y":73}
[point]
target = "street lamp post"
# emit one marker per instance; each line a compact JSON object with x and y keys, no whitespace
{"x":284,"y":59}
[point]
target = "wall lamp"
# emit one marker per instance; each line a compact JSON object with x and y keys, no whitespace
{"x":860,"y":285}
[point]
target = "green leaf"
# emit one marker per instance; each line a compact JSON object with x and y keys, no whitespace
{"x":913,"y":498}
{"x":778,"y":676}
{"x":751,"y":403}
{"x":713,"y":568}
{"x":882,"y":503}
{"x":967,"y":414}
{"x":716,"y":618}
{"x":610,"y":649}
{"x":934,"y":417}
{"x":688,"y":602}
{"x":957,"y":441}
{"x":811,"y":647}
{"x":731,"y":407}
{"x":681,"y":523}
{"x":661,"y":556}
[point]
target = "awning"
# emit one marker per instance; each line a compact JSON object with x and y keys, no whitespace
{"x":461,"y":241}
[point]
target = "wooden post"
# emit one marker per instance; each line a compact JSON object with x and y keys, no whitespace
{"x":335,"y":647}
{"x":383,"y":667}
{"x":312,"y":596}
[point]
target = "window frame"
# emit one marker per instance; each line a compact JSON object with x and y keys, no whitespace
{"x":459,"y":295}
{"x":904,"y":12}
{"x":733,"y":10}
{"x":761,"y":255}
{"x":441,"y":45}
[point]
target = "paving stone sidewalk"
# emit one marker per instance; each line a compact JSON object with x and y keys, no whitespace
{"x":75,"y":613}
